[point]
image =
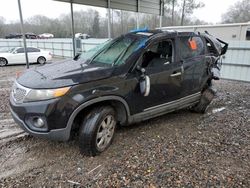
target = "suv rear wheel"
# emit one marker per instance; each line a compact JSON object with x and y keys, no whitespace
{"x":97,"y":130}
{"x":206,"y":98}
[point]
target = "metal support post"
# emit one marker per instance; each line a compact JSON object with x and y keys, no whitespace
{"x":161,"y":13}
{"x":109,"y":20}
{"x":23,"y":33}
{"x":138,"y":15}
{"x":72,"y":28}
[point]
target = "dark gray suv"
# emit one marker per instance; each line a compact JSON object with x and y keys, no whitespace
{"x":137,"y":76}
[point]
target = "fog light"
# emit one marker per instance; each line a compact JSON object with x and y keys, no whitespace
{"x":38,"y":122}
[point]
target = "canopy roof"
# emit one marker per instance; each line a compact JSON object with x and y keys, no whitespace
{"x":143,"y":6}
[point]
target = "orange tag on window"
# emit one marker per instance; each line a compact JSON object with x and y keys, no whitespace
{"x":192,"y":44}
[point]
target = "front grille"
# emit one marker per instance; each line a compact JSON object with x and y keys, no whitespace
{"x":19,"y":93}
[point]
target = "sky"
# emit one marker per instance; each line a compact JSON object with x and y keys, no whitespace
{"x":213,"y":10}
{"x":9,"y":9}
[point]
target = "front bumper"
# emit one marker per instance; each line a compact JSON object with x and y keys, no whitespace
{"x":54,"y":112}
{"x":56,"y":134}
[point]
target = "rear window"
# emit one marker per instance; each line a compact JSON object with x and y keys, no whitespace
{"x":191,"y":47}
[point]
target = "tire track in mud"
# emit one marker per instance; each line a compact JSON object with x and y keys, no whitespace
{"x":9,"y":130}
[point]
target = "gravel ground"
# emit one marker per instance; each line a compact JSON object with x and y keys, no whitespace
{"x":180,"y":149}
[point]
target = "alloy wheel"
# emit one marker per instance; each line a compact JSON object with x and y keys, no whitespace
{"x":105,"y":132}
{"x":3,"y":62}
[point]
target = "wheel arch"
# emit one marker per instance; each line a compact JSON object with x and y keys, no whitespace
{"x":118,"y":103}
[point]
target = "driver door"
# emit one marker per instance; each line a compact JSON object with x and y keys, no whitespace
{"x":17,"y":56}
{"x":165,"y":76}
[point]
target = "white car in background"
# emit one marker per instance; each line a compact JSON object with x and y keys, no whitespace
{"x":17,"y":56}
{"x":46,"y":35}
{"x":82,"y":35}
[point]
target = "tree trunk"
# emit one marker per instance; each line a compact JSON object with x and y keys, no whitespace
{"x":112,"y":23}
{"x":183,"y":12}
{"x":173,"y":5}
{"x":122,"y":22}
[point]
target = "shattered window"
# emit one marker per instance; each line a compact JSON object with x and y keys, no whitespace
{"x":116,"y":51}
{"x":191,"y":47}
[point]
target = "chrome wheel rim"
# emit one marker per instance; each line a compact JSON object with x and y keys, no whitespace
{"x":105,"y":132}
{"x":2,"y":62}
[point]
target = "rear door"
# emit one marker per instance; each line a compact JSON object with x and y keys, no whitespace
{"x":192,"y":56}
{"x":33,"y":54}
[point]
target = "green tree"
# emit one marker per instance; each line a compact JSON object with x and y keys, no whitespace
{"x":2,"y":24}
{"x":187,"y":8}
{"x":96,"y":25}
{"x":239,"y":12}
{"x":178,"y":12}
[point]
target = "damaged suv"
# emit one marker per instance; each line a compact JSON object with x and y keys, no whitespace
{"x":137,"y":76}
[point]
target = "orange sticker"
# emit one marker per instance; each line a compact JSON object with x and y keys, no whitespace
{"x":193,"y":44}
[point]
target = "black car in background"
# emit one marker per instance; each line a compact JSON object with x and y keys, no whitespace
{"x":18,"y":36}
{"x":137,"y":76}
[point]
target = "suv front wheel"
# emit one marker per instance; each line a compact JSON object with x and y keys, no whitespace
{"x":97,"y":130}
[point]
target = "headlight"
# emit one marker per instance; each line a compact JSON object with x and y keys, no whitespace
{"x":45,"y":94}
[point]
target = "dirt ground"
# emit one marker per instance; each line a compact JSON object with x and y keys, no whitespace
{"x":180,"y":149}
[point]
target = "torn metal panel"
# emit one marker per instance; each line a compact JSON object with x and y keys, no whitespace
{"x":219,"y":45}
{"x":217,"y":48}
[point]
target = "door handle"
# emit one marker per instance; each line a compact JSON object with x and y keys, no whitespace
{"x":176,"y":74}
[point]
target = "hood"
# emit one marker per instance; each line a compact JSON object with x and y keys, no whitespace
{"x":62,"y":74}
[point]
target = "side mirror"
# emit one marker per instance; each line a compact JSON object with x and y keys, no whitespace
{"x":145,"y":85}
{"x":144,"y":82}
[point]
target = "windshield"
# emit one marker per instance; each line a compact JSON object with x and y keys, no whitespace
{"x":87,"y":55}
{"x":12,"y":50}
{"x":114,"y":52}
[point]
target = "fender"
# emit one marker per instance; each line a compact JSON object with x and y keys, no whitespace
{"x":93,"y":101}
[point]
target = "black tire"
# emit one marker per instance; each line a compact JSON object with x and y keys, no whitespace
{"x":3,"y":62}
{"x":92,"y":132}
{"x":41,"y":60}
{"x":206,"y":98}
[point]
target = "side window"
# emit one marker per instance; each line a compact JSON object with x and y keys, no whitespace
{"x":191,"y":47}
{"x":200,"y":46}
{"x":158,"y":54}
{"x":20,"y":50}
{"x":37,"y":50}
{"x":29,"y":49}
{"x":33,"y":50}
